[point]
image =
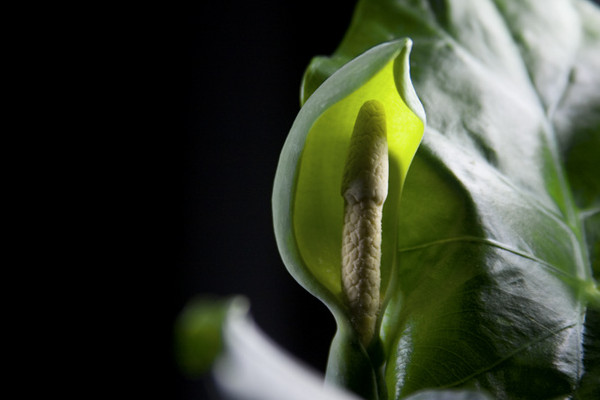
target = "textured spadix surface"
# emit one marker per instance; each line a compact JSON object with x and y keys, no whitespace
{"x":364,"y":189}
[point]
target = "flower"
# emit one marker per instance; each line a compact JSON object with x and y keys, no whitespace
{"x":308,"y":209}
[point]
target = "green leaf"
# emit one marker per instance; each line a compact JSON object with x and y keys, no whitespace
{"x":496,"y":238}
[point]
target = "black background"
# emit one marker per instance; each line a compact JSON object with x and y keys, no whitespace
{"x":235,"y":74}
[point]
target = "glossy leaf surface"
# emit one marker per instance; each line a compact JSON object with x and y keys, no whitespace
{"x":498,"y":233}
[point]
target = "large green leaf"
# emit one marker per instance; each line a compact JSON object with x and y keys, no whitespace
{"x":498,"y":225}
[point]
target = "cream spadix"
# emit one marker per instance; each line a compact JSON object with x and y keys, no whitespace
{"x":364,"y":188}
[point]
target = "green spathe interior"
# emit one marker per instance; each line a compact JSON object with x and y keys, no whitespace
{"x":318,"y":208}
{"x":307,"y":204}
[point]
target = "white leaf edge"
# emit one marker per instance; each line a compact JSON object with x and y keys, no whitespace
{"x":253,"y":367}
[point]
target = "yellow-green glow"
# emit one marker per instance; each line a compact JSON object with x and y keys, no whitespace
{"x":318,"y":207}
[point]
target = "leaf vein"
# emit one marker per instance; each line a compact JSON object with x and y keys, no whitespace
{"x":489,"y":242}
{"x":511,"y":354}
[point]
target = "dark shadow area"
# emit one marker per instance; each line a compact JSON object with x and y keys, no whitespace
{"x":237,"y":70}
